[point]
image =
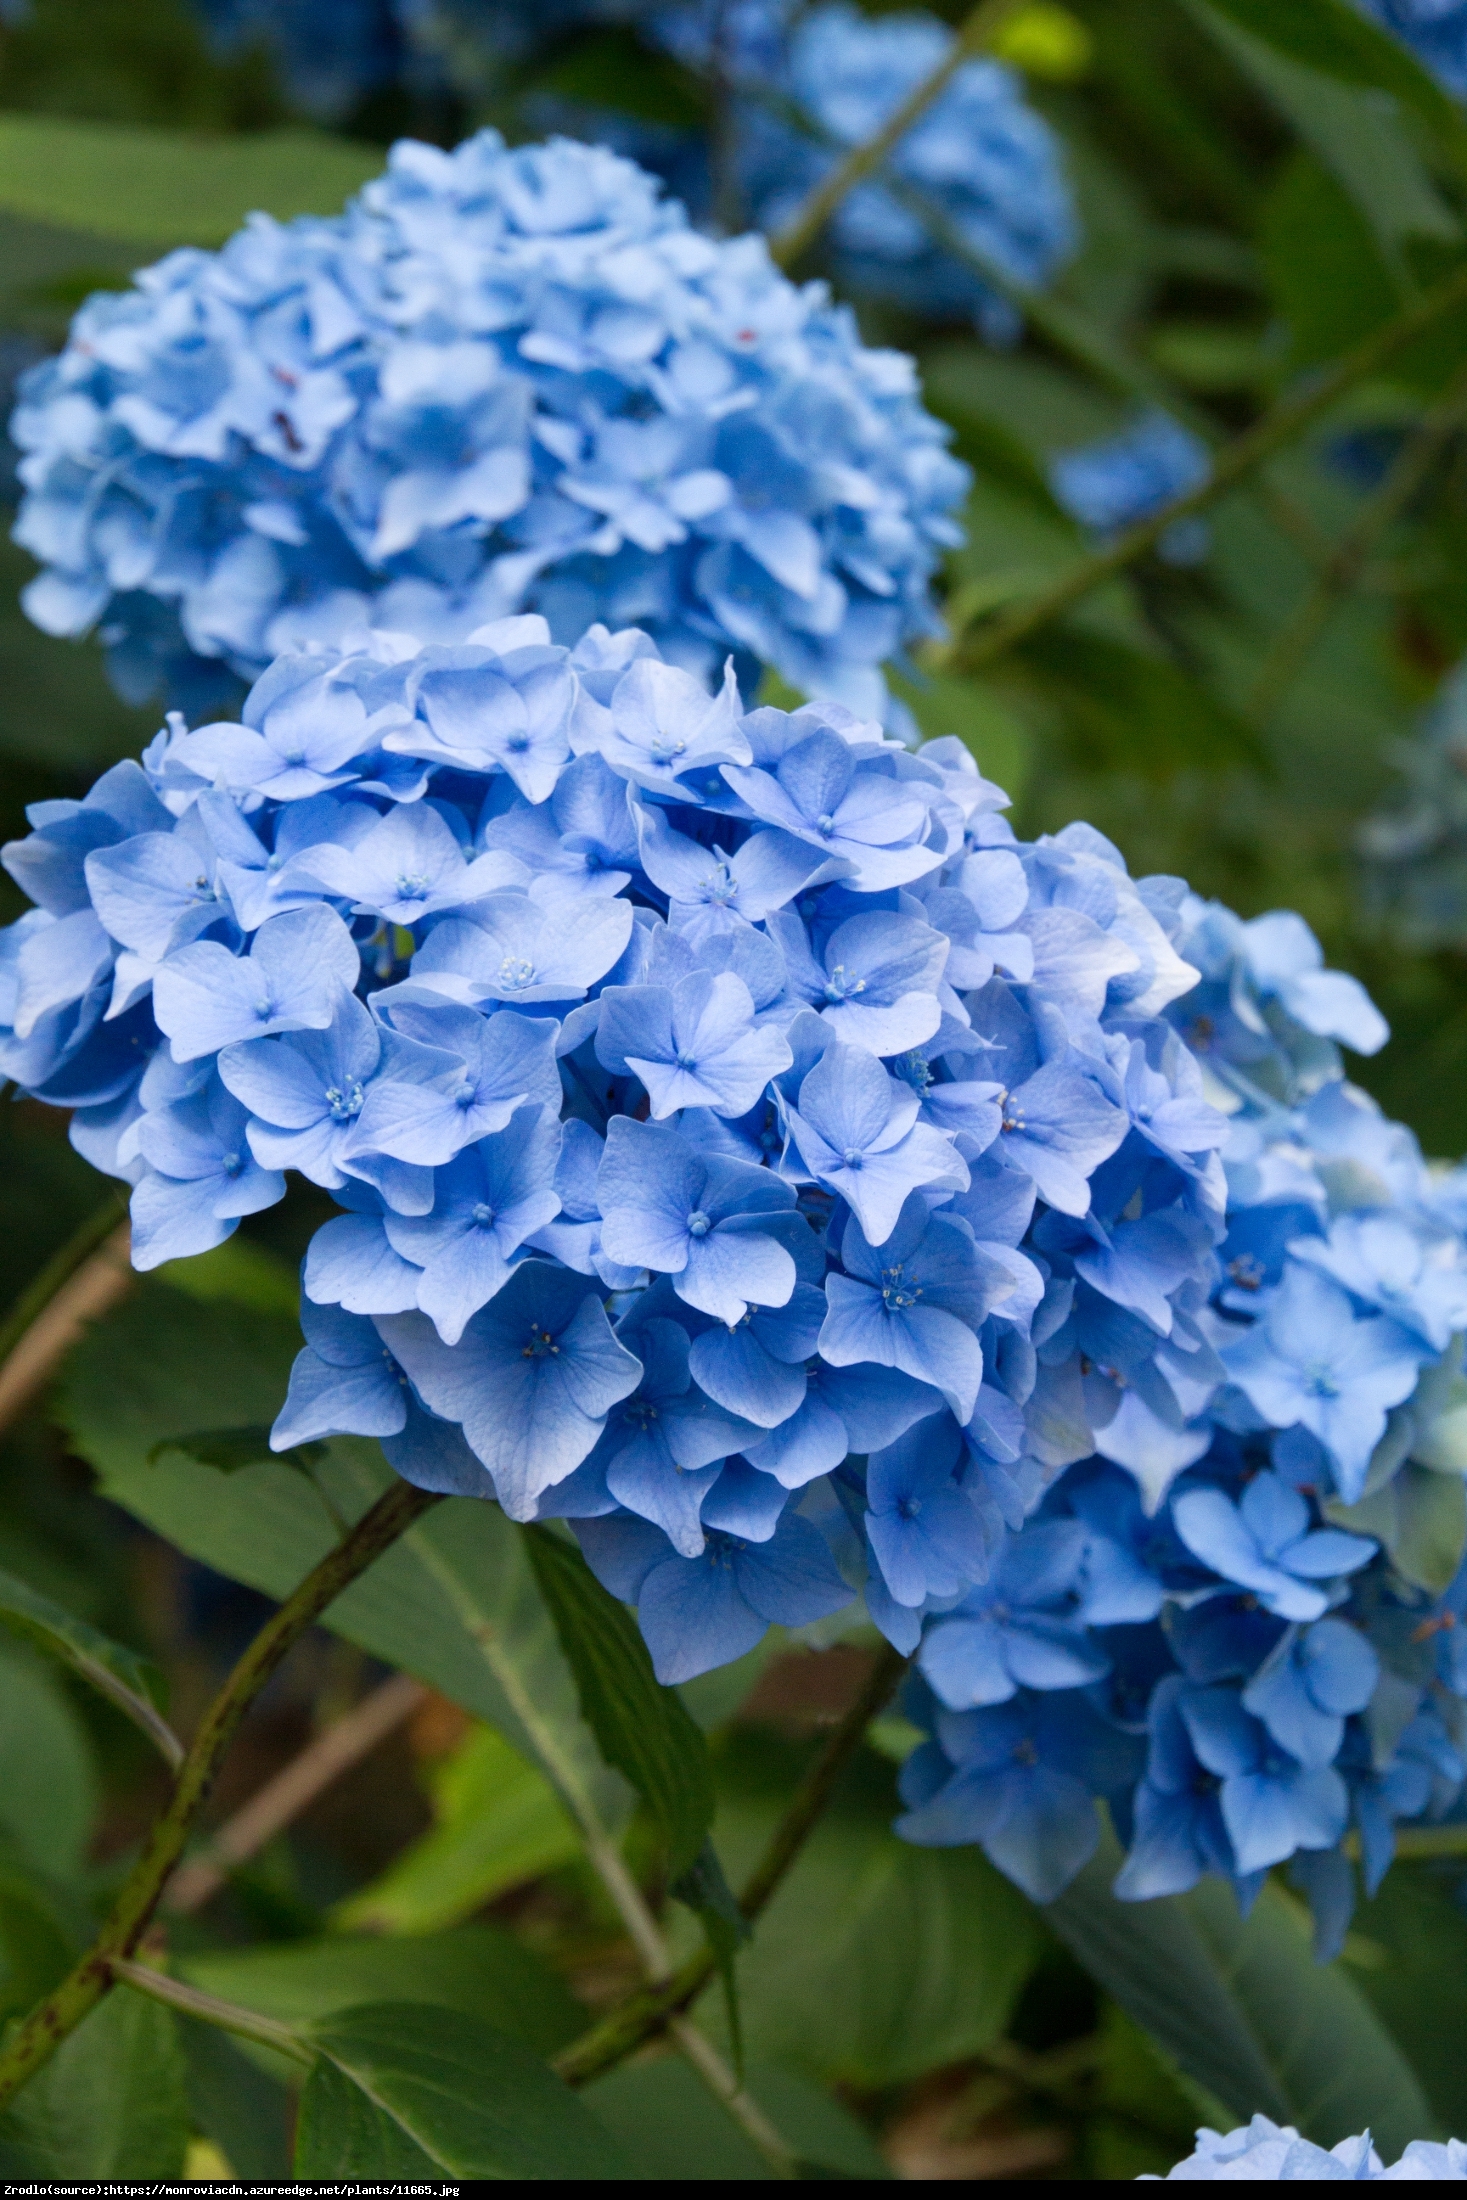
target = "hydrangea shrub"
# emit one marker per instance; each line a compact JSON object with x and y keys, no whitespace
{"x":750,"y":1153}
{"x":501,"y":381}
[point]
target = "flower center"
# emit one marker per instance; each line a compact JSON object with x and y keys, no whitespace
{"x":412,"y":886}
{"x":344,"y":1101}
{"x":898,"y":1290}
{"x":516,"y":973}
{"x":699,"y":1224}
{"x":541,"y":1345}
{"x":838,"y":987}
{"x":483,"y":1215}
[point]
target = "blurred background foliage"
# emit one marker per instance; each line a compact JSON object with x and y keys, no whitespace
{"x":1241,"y":720}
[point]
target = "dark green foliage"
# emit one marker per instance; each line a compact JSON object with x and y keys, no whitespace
{"x":641,"y":1726}
{"x":409,"y":2083}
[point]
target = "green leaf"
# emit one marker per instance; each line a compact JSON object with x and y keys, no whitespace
{"x":454,"y":1602}
{"x":498,"y":1823}
{"x":641,"y":1726}
{"x":1408,"y":1955}
{"x":1142,"y":2117}
{"x":243,"y":2109}
{"x":672,"y":2129}
{"x":229,"y":1449}
{"x":1325,"y":269}
{"x":110,"y":2103}
{"x":341,"y":2132}
{"x":48,"y":1777}
{"x":1338,"y":39}
{"x":476,"y":1970}
{"x":1241,"y":2006}
{"x":162,"y":187}
{"x":37,"y":1944}
{"x":469,"y":2098}
{"x":875,"y":1961}
{"x":1358,"y":136}
{"x":130,"y":1682}
{"x":1420,"y":1516}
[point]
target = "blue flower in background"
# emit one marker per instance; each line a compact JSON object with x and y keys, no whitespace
{"x":468,"y":396}
{"x":977,"y":203}
{"x":1110,"y":485}
{"x":1436,"y":32}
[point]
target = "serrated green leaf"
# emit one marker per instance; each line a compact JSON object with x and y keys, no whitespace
{"x":477,"y":1970}
{"x":1241,"y":2006}
{"x":472,"y":2100}
{"x":110,"y":2103}
{"x":641,"y":1726}
{"x":156,"y":188}
{"x":498,"y":1823}
{"x":126,"y":1680}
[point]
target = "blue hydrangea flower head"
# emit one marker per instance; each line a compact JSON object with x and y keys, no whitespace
{"x":1108,"y":486}
{"x":976,"y":185}
{"x":832,"y":1209}
{"x":502,"y":381}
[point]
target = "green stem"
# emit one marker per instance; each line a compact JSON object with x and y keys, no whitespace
{"x":59,"y":1269}
{"x":62,"y":2011}
{"x":1297,"y":637}
{"x":1252,"y":449}
{"x":645,"y":2014}
{"x":983,"y":25}
{"x":209,"y":2009}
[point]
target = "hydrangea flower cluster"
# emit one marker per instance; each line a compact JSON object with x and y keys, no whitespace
{"x":979,"y":178}
{"x":1110,"y":485}
{"x":752,"y":1154}
{"x":501,"y":380}
{"x":1267,"y":2153}
{"x":1436,"y":32}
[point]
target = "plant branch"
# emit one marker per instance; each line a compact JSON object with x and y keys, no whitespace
{"x":209,"y":2009}
{"x":1300,"y":632}
{"x":798,"y":234}
{"x":647,"y":2013}
{"x":1242,"y":457}
{"x":78,"y":1285}
{"x":62,"y":2011}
